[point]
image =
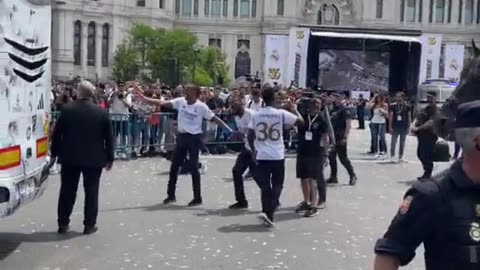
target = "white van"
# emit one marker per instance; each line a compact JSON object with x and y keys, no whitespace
{"x":25,"y":82}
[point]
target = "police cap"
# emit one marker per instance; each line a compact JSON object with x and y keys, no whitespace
{"x":468,"y":115}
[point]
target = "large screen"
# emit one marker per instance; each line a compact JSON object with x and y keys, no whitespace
{"x":346,"y":70}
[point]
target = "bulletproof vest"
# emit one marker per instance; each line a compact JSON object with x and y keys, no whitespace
{"x":455,"y":243}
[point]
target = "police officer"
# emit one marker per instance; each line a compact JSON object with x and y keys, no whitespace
{"x":442,"y":213}
{"x":426,"y":136}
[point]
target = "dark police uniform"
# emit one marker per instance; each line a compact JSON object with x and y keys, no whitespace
{"x":442,"y":213}
{"x":426,"y":140}
{"x":311,"y":151}
{"x":339,"y":116}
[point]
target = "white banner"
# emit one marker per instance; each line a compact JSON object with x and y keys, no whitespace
{"x":454,"y":57}
{"x":276,"y":59}
{"x":297,"y":60}
{"x":431,"y":53}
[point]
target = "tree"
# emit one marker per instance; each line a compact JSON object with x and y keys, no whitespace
{"x":172,"y":56}
{"x":125,"y":66}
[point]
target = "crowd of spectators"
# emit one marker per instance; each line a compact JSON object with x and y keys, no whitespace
{"x":144,"y":130}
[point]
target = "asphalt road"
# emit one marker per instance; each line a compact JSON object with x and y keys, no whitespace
{"x":137,"y":232}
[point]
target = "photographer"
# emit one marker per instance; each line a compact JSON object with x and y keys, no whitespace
{"x":120,"y":103}
{"x":312,"y":144}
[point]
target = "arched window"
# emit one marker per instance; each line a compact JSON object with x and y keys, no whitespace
{"x":243,"y":61}
{"x":328,"y":14}
{"x":469,"y":11}
{"x":77,"y":43}
{"x":460,"y":11}
{"x":91,"y":42}
{"x":105,"y":44}
{"x":478,"y":11}
{"x":440,"y":12}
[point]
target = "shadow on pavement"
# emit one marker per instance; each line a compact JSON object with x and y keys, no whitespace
{"x":9,"y":242}
{"x":226,"y":212}
{"x":249,"y":228}
{"x":156,"y":207}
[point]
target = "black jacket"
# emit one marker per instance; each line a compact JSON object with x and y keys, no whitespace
{"x":83,"y":135}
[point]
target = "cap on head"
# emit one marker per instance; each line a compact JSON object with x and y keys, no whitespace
{"x":468,"y":115}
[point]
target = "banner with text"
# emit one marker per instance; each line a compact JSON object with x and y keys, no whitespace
{"x":276,"y":59}
{"x":454,"y":57}
{"x":297,"y":60}
{"x":431,"y":53}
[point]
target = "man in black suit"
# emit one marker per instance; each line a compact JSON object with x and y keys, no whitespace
{"x":83,"y":142}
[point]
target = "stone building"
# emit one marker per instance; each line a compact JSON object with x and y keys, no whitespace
{"x":86,"y":32}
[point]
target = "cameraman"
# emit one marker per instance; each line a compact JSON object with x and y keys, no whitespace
{"x":312,"y":144}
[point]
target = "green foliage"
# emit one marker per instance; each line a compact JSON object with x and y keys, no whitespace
{"x":125,"y":63}
{"x":171,"y":56}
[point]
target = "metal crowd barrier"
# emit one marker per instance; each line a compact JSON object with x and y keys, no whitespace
{"x":156,"y":133}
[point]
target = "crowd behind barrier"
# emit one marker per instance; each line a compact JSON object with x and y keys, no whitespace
{"x":143,"y":129}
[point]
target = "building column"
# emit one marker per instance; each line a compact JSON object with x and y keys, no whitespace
{"x":84,"y":48}
{"x":98,"y":50}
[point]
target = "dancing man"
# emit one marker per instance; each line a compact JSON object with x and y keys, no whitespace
{"x":191,"y":113}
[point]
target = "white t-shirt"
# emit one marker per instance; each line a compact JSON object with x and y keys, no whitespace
{"x":378,"y":117}
{"x":255,"y":106}
{"x":268,"y":124}
{"x":119,"y":109}
{"x":242,"y":124}
{"x":190,"y":117}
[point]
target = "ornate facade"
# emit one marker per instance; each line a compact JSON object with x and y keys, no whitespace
{"x":86,"y":32}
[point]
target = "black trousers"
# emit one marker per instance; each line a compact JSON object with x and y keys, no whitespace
{"x":339,"y":150}
{"x":244,"y":161}
{"x":425,"y":152}
{"x":70,"y":176}
{"x":361,"y":120}
{"x":186,"y":144}
{"x":270,"y":175}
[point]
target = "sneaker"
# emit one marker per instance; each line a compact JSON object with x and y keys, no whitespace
{"x":401,"y":160}
{"x":322,"y":205}
{"x":195,"y":202}
{"x":353,"y":180}
{"x":302,"y":207}
{"x":239,"y":205}
{"x":203,"y":168}
{"x":313,"y":211}
{"x":268,"y":222}
{"x":63,"y":229}
{"x":332,"y":180}
{"x":90,"y":230}
{"x":248,"y":175}
{"x":169,"y":200}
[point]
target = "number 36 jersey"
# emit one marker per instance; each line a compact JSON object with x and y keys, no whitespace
{"x":268,"y":124}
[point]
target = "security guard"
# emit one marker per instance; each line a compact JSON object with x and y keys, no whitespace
{"x":426,"y":136}
{"x":443,"y":213}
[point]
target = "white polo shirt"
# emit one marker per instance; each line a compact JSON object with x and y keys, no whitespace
{"x":242,"y":124}
{"x":268,"y":124}
{"x":190,"y":117}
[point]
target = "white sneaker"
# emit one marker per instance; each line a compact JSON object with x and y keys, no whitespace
{"x":402,"y":160}
{"x":203,"y":168}
{"x":265,"y":220}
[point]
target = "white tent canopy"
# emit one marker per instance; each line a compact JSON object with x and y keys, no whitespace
{"x":365,"y":36}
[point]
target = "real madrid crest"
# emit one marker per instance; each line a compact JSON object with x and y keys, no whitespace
{"x":475,"y":231}
{"x":274,"y":73}
{"x":300,"y":34}
{"x":432,"y":41}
